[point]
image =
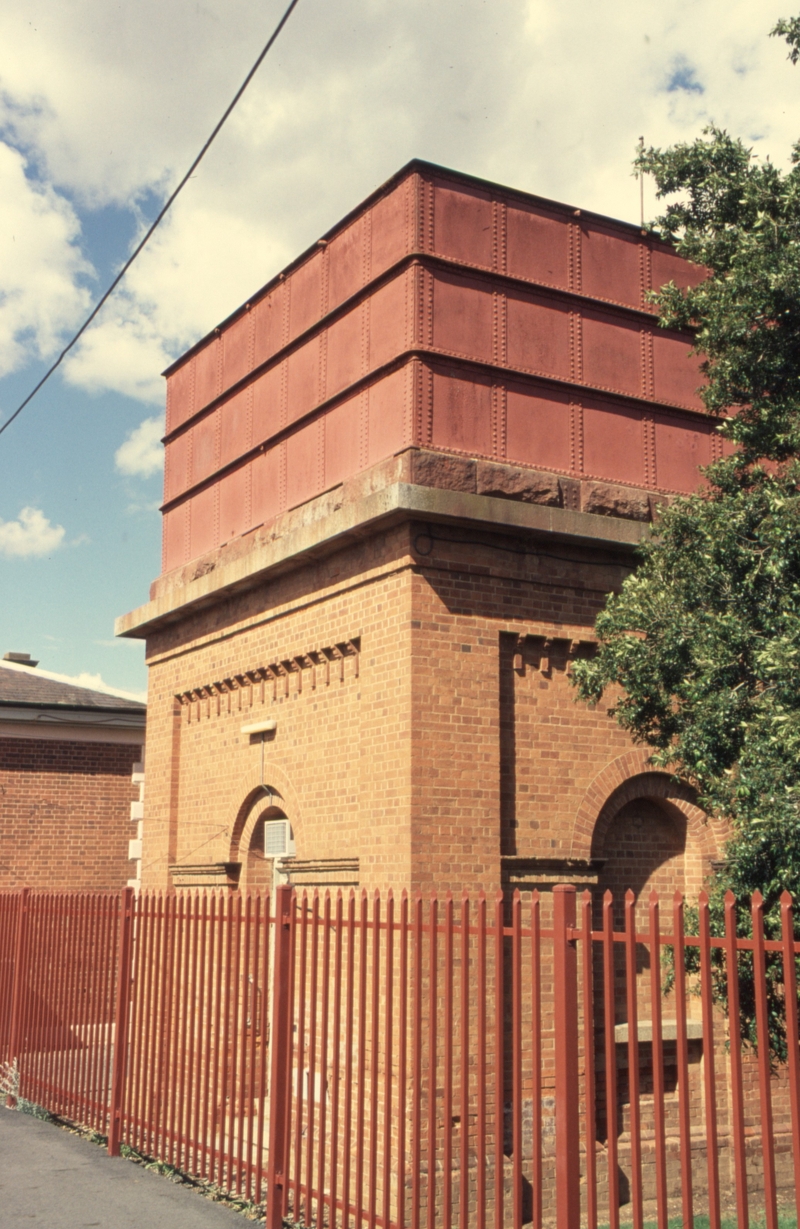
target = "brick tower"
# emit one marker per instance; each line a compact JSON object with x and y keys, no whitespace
{"x":399,"y":483}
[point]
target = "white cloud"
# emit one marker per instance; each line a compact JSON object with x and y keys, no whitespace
{"x":32,"y":534}
{"x":40,"y":291}
{"x":546,"y":95}
{"x":142,"y":454}
{"x":96,"y":683}
{"x":84,"y":679}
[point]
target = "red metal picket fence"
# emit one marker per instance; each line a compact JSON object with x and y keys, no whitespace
{"x":409,"y":1062}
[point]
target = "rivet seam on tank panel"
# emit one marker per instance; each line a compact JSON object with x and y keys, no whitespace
{"x":217,"y":437}
{"x":558,"y":208}
{"x":250,"y":392}
{"x":645,"y":274}
{"x":409,"y":299}
{"x":419,"y":213}
{"x":363,"y":429}
{"x":187,"y":531}
{"x":428,"y":292}
{"x":409,"y":198}
{"x":249,"y":400}
{"x":287,"y":307}
{"x":282,"y":475}
{"x":322,"y":368}
{"x":323,"y":278}
{"x":432,"y":353}
{"x":576,"y":347}
{"x":287,"y":430}
{"x":648,"y":364}
{"x":193,"y":388}
{"x":410,"y":401}
{"x":430,"y":216}
{"x":189,"y":479}
{"x":427,"y":405}
{"x":517,"y":281}
{"x":366,"y":249}
{"x":321,"y":452}
{"x":216,"y":514}
{"x":418,"y":313}
{"x":499,"y":415}
{"x":576,"y":437}
{"x":248,"y":494}
{"x":283,"y":414}
{"x":366,"y":322}
{"x":649,"y":440}
{"x":574,"y":263}
{"x":500,"y":328}
{"x":557,"y":292}
{"x":500,"y":253}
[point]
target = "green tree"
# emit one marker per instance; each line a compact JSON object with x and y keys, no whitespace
{"x":702,"y":643}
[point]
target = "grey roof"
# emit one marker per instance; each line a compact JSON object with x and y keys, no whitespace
{"x":26,"y":687}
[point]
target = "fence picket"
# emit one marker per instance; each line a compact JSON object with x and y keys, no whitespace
{"x":609,"y":1018}
{"x":709,"y":1074}
{"x":684,"y":1107}
{"x":659,"y":1124}
{"x":263,"y":1044}
{"x":792,"y":1033}
{"x":735,"y":1051}
{"x":762,"y":1028}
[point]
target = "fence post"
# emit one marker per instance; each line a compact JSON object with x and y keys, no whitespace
{"x":121,"y":1020}
{"x":19,"y":984}
{"x":280,"y":1066}
{"x":565,"y":987}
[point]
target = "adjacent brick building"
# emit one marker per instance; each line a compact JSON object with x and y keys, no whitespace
{"x":399,"y":483}
{"x":71,"y":783}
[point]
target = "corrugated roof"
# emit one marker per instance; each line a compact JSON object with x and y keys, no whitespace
{"x":26,"y":686}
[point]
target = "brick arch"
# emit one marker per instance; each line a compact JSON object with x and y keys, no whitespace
{"x":249,"y":811}
{"x":632,"y":776}
{"x":658,"y":786}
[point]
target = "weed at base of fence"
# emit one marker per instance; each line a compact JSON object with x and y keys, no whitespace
{"x":246,"y":1208}
{"x":35,"y":1111}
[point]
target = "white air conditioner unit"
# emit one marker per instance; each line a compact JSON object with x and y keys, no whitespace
{"x":278,"y":841}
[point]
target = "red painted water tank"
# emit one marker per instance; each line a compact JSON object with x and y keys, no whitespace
{"x":445,"y":312}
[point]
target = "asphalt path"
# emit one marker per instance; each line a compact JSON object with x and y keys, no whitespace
{"x":51,"y":1177}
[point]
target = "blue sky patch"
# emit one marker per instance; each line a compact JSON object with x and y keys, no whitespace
{"x":683,"y":76}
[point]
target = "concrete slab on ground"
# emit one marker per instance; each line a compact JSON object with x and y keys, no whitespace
{"x":51,"y":1177}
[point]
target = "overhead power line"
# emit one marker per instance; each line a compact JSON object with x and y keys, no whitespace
{"x":170,"y":200}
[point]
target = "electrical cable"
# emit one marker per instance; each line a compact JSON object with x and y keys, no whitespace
{"x":287,"y":14}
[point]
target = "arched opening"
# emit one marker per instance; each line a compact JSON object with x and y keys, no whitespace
{"x":644,"y":850}
{"x":650,"y":836}
{"x":263,"y":839}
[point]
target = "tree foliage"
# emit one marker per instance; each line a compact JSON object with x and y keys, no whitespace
{"x":702,"y":643}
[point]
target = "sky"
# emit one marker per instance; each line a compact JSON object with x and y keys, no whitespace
{"x":103,"y":106}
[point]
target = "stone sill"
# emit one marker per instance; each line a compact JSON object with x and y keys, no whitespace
{"x":393,"y":504}
{"x":669,"y":1031}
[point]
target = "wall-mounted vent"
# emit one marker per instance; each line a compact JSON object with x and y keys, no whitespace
{"x":278,"y":841}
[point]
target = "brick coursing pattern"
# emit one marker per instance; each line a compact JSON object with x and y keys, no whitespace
{"x":65,"y":810}
{"x":456,"y":742}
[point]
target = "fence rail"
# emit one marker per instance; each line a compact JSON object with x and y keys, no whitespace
{"x":420,"y":1063}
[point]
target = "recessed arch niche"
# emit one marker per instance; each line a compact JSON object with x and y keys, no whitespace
{"x":263,"y":804}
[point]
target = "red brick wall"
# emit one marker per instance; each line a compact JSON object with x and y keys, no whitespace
{"x":448,"y":746}
{"x":65,"y":814}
